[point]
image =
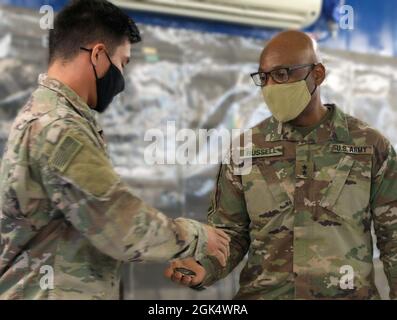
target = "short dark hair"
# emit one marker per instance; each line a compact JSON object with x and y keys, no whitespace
{"x":85,"y":21}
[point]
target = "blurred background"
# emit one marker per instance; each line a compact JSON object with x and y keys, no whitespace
{"x":193,"y":68}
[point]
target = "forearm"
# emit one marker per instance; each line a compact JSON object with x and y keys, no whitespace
{"x":82,"y":184}
{"x":238,"y":248}
{"x":384,"y":208}
{"x":122,"y":226}
{"x":228,"y":212}
{"x":386,"y":232}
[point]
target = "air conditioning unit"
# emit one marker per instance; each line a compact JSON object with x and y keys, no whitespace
{"x":288,"y":14}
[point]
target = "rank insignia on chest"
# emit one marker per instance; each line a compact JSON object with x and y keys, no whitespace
{"x":304,"y":169}
{"x":262,"y":152}
{"x":343,"y":148}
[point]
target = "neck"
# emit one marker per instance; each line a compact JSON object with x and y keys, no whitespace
{"x":70,"y":78}
{"x":314,"y":113}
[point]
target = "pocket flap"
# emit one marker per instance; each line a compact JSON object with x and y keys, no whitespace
{"x":279,"y":193}
{"x":336,"y":185}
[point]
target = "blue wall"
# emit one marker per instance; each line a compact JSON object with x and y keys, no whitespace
{"x":375,"y":29}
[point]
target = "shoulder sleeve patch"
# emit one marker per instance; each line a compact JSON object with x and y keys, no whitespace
{"x":65,"y":152}
{"x":86,"y":167}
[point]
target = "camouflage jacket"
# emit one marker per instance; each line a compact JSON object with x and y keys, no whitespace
{"x":304,"y":212}
{"x":67,"y":221}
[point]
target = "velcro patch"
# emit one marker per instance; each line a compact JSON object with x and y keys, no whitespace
{"x":65,"y":152}
{"x":343,"y":148}
{"x":304,"y":170}
{"x":263,"y":152}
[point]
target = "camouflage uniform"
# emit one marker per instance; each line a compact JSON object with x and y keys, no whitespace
{"x":63,"y":208}
{"x":304,"y":213}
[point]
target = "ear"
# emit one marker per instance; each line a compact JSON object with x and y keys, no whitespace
{"x":319,"y":72}
{"x":97,"y":51}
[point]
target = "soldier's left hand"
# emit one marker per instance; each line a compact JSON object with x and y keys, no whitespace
{"x":218,"y":244}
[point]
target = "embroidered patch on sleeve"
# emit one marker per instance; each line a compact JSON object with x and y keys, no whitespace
{"x":65,"y":152}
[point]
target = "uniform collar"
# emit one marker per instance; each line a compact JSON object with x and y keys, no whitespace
{"x":335,"y":129}
{"x":74,"y":99}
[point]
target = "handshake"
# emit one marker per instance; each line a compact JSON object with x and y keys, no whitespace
{"x":188,"y":271}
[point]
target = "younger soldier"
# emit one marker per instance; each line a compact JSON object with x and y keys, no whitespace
{"x":67,"y":221}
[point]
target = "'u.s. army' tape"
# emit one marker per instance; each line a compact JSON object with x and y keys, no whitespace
{"x":344,"y":148}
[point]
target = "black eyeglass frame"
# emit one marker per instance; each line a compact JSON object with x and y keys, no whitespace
{"x":289,"y":71}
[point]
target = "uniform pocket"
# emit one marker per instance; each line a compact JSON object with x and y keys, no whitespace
{"x":264,"y":195}
{"x":348,"y":193}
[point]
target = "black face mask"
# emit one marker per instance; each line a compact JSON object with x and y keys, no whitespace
{"x":109,"y":86}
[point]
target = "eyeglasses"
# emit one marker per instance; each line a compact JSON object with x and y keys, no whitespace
{"x":279,"y":75}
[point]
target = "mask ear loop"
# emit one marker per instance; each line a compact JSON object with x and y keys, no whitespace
{"x":111,"y":62}
{"x":315,"y":86}
{"x":107,"y":55}
{"x":90,"y":50}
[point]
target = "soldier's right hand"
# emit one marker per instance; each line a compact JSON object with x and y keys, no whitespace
{"x":218,"y":244}
{"x":190,"y":264}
